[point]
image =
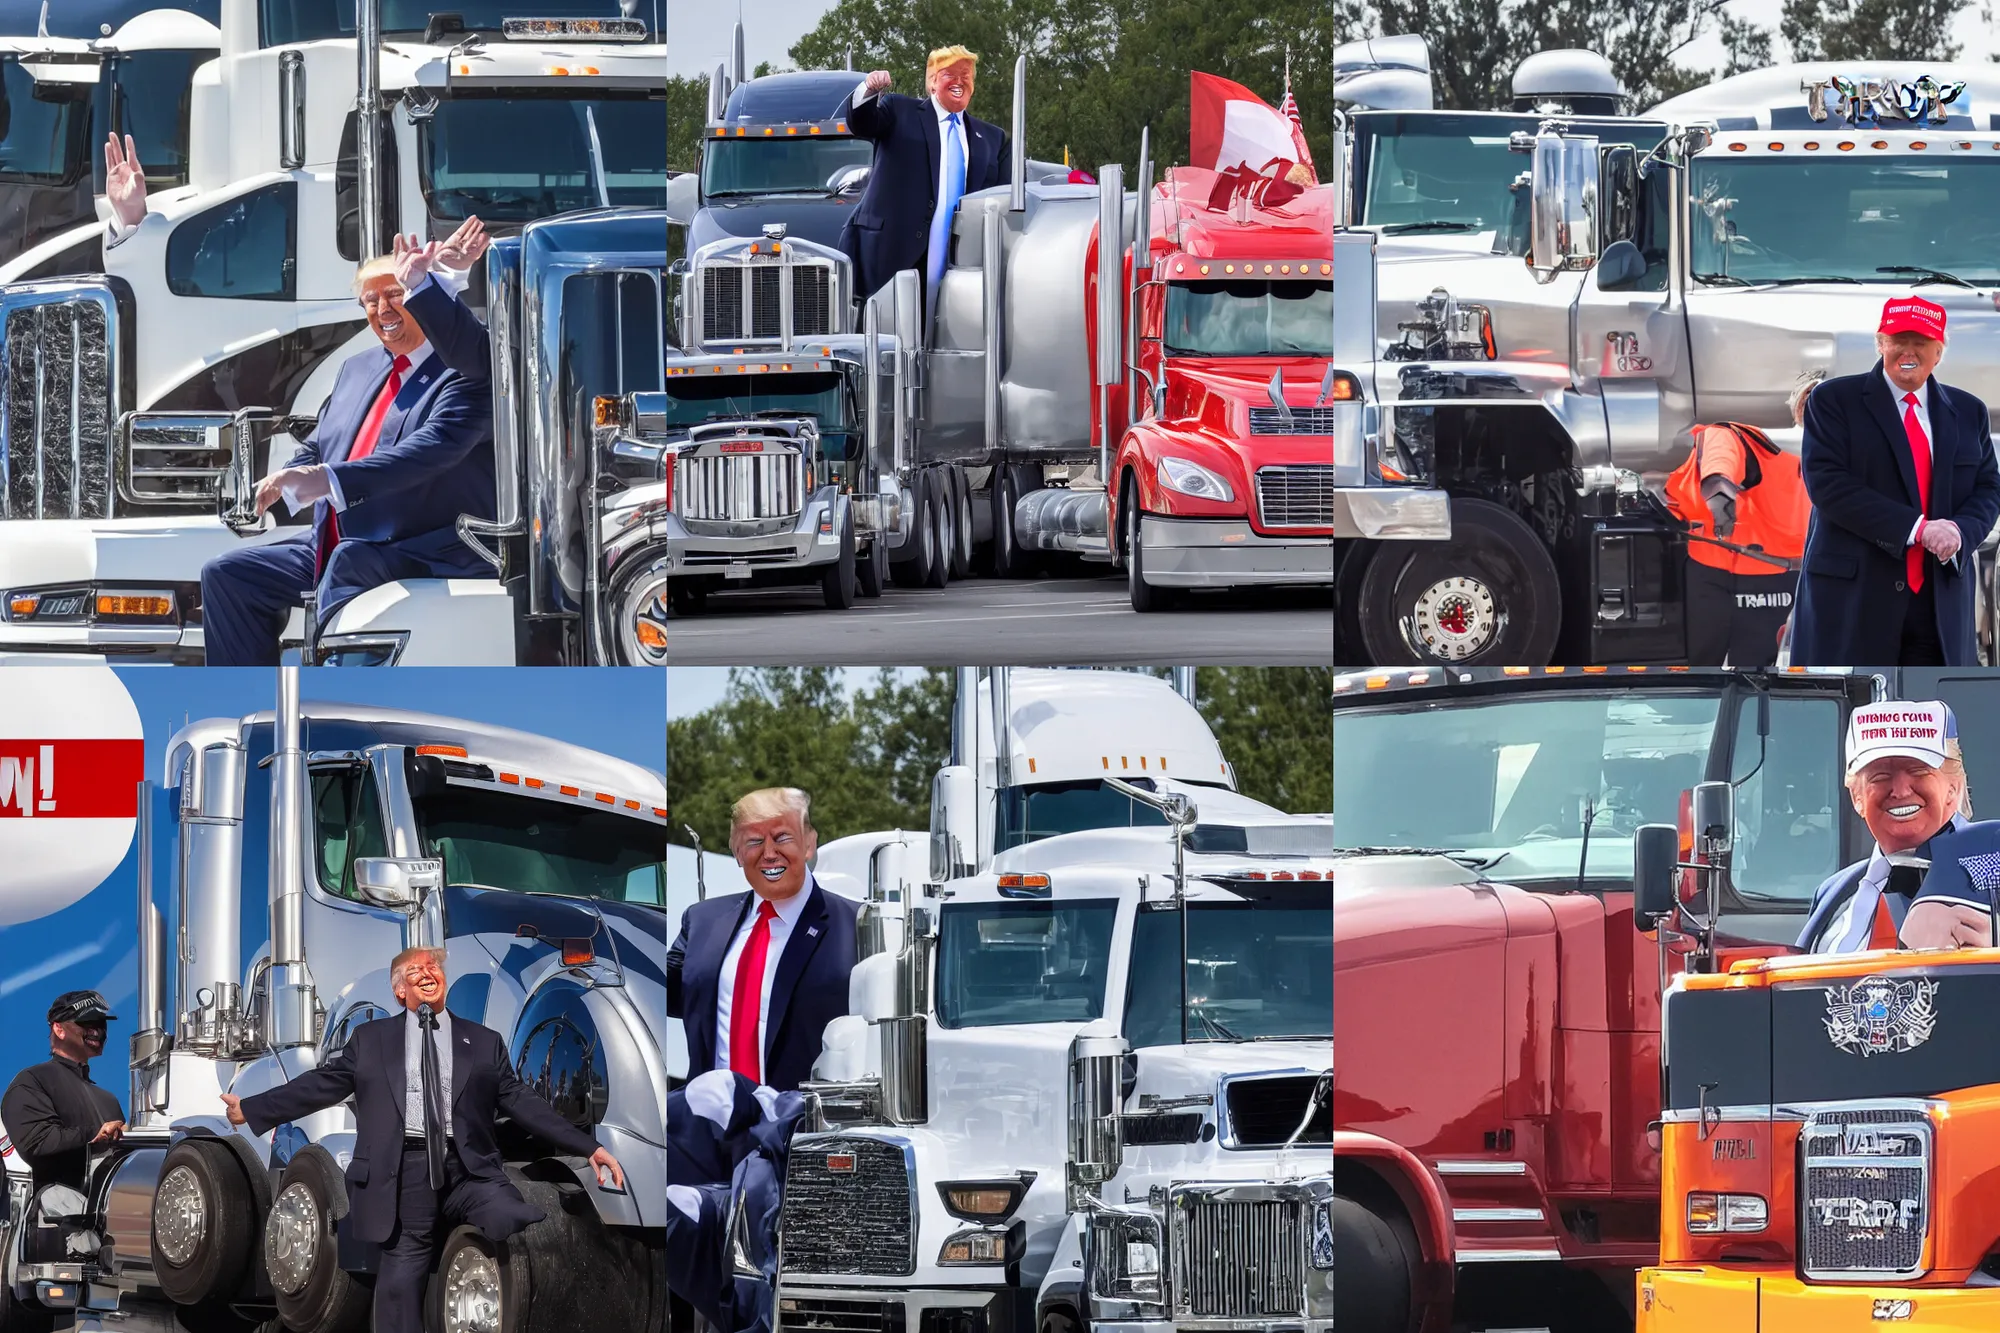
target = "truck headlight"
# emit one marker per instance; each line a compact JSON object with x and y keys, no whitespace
{"x":89,"y":604}
{"x":984,"y":1246}
{"x":983,"y":1200}
{"x":1127,"y":1258}
{"x":1189,"y":478}
{"x":1711,"y":1214}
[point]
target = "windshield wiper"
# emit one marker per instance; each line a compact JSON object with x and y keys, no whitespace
{"x":1405,"y":228}
{"x":1720,"y":280}
{"x":1928,"y":275}
{"x":1399,"y":851}
{"x":1214,"y":1024}
{"x":1795,"y":282}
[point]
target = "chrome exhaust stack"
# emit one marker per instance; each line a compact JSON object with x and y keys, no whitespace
{"x":291,"y":1016}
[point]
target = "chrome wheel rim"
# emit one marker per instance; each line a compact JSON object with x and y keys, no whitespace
{"x":1454,"y":619}
{"x":180,"y":1216}
{"x":472,"y":1292}
{"x":642,"y":621}
{"x":291,"y":1239}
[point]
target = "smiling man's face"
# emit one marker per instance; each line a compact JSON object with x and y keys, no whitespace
{"x":382,"y":300}
{"x":1909,"y":358}
{"x":1904,"y":801}
{"x":82,"y":1042}
{"x":773,"y":853}
{"x":951,"y":85}
{"x":420,"y":982}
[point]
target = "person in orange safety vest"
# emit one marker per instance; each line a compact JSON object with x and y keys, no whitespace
{"x":1741,"y":491}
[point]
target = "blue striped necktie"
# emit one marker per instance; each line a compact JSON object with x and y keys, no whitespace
{"x":954,"y":188}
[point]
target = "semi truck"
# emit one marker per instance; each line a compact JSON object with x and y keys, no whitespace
{"x":1805,"y":1183}
{"x":1095,"y":910}
{"x":1545,"y":396}
{"x":1497,"y":1162}
{"x":284,"y":859}
{"x":232,"y":296}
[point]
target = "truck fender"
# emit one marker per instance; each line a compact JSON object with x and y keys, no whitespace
{"x":1416,"y":1188}
{"x":1062,"y":1286}
{"x":263,"y":1188}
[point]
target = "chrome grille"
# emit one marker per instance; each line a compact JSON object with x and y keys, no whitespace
{"x":764,"y":313}
{"x":1265,"y":1112}
{"x":56,"y":422}
{"x":812,"y":302}
{"x":1305,"y":421}
{"x":721,"y":302}
{"x":739,"y":488}
{"x":744,"y":302}
{"x":852,"y":1220}
{"x":1296,"y":495}
{"x":1866,"y":1205}
{"x":825,"y":1315}
{"x":1239,"y":1259}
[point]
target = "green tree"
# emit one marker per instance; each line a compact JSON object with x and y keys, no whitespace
{"x":1275,"y":726}
{"x":1870,"y":29}
{"x":687,"y":113}
{"x":1099,"y":71}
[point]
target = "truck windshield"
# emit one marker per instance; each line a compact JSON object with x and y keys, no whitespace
{"x":1508,"y":783}
{"x":1454,"y":170}
{"x":1866,"y":213}
{"x":1255,"y":970}
{"x":528,"y":845}
{"x":148,"y":94}
{"x":778,"y":166}
{"x":692,"y":400}
{"x":44,"y":128}
{"x":1250,"y":318}
{"x":1029,"y":814}
{"x":1027,"y":962}
{"x":285,"y":22}
{"x":518,"y":158}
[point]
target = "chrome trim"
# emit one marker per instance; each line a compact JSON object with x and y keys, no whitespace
{"x":1496,"y":1214}
{"x":1480,"y":1168}
{"x":1301,"y":1195}
{"x":367,"y":143}
{"x":1918,"y":1124}
{"x":27,"y":362}
{"x":1694,"y":1115}
{"x":1508,"y":1257}
{"x":1226,"y":1128}
{"x":812,"y":1141}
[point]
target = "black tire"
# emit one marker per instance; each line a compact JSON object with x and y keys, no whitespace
{"x":1350,"y":564}
{"x":1489,"y":596}
{"x":1374,"y":1289}
{"x":871,"y":569}
{"x":1060,"y":1321}
{"x":1006,"y":558}
{"x":1145,"y":596}
{"x":939,"y":573}
{"x":18,"y":1316}
{"x":912,"y":568}
{"x":837,"y":584}
{"x":961,"y":513}
{"x":221,"y":1237}
{"x":330,"y":1300}
{"x":565,"y":1264}
{"x":466,"y":1264}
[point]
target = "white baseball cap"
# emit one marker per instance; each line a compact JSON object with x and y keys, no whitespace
{"x":1904,"y":730}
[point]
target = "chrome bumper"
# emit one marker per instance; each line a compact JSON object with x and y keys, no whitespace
{"x":181,"y":645}
{"x":1274,"y":1324}
{"x":1391,"y":513}
{"x":692,"y":555}
{"x":1227,"y":552}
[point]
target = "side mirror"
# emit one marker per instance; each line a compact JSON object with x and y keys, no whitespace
{"x":849,"y":180}
{"x":291,"y":110}
{"x":196,"y":460}
{"x":1655,"y":849}
{"x":1697,"y":138}
{"x":954,"y":823}
{"x":1620,"y":267}
{"x":1618,"y":195}
{"x":1714,"y":819}
{"x":1564,"y":203}
{"x":396,"y":882}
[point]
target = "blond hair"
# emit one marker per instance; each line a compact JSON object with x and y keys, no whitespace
{"x":770,"y":803}
{"x":374,"y":268}
{"x":402,"y":960}
{"x":1807,"y":383}
{"x":946,"y":55}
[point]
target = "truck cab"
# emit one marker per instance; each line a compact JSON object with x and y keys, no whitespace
{"x":778,"y":149}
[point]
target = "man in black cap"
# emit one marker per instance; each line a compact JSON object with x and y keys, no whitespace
{"x":52,"y":1111}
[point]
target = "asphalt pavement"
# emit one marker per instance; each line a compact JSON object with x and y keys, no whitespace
{"x":1007,"y":622}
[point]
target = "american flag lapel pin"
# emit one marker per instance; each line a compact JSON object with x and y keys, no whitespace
{"x":811,"y":931}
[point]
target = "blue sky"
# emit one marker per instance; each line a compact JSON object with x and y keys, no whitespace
{"x":92,"y":943}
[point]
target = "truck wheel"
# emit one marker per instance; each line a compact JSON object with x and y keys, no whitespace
{"x":18,"y":1316}
{"x":939,"y":574}
{"x":1008,"y":560}
{"x":961,"y":528}
{"x":202,"y":1219}
{"x":1487,"y":596}
{"x":913,"y":570}
{"x":301,"y":1251}
{"x":1145,"y":597}
{"x":837,"y":584}
{"x":871,"y":568}
{"x":479,"y":1287}
{"x":1375,"y":1278}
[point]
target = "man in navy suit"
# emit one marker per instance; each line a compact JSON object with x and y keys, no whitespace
{"x":425,"y":1151}
{"x":403,"y":447}
{"x":755,"y":977}
{"x":928,"y":154}
{"x":1902,"y":477}
{"x":1906,"y":779}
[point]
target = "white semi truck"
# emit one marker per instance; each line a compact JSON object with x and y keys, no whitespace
{"x":233,"y":297}
{"x":1086,"y":1076}
{"x":284,"y":859}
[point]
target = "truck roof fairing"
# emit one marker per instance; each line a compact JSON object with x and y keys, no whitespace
{"x":800,"y":97}
{"x":1772,"y":98}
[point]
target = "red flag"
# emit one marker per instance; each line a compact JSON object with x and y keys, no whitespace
{"x":1231,"y":126}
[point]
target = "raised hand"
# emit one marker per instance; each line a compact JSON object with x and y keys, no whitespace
{"x":124,"y":181}
{"x":413,"y":260}
{"x":878,"y":80}
{"x":462,"y":249}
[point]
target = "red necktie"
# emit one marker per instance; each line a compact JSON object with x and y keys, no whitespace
{"x":746,"y":1050}
{"x":364,"y":444}
{"x":1920,"y":454}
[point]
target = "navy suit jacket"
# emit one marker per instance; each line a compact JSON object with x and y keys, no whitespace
{"x":890,"y":228}
{"x":809,"y":990}
{"x":458,"y":337}
{"x":1863,"y":483}
{"x":369,"y":1068}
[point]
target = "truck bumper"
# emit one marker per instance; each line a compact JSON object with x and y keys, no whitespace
{"x":166,"y":645}
{"x":1776,"y":1301}
{"x":1272,"y":1325}
{"x":1391,"y":513}
{"x":803,"y":1308}
{"x":1227,"y":552}
{"x":744,"y":559}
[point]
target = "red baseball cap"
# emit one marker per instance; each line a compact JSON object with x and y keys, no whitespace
{"x":1912,"y":314}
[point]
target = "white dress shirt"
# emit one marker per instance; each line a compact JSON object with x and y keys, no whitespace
{"x":788,"y":912}
{"x":1923,"y":421}
{"x":945,"y":126}
{"x":334,"y":497}
{"x":413,"y":1070}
